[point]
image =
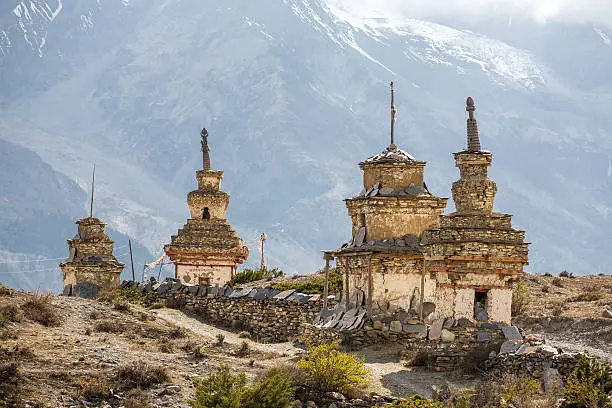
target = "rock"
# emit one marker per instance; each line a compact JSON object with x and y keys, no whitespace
{"x":335,"y":396}
{"x":386,"y":191}
{"x":435,"y":331}
{"x":483,"y":336}
{"x":310,"y":404}
{"x":552,"y":380}
{"x":428,"y":308}
{"x":607,"y":312}
{"x":447,"y":335}
{"x":512,"y":333}
{"x":548,"y":350}
{"x":377,"y":325}
{"x":448,"y":323}
{"x":465,"y":322}
{"x":67,"y":290}
{"x":173,"y":389}
{"x":482,"y":316}
{"x":415,"y":301}
{"x":332,"y":405}
{"x":416,"y":330}
{"x":396,"y":326}
{"x":509,"y":347}
{"x":359,"y":403}
{"x":86,"y":290}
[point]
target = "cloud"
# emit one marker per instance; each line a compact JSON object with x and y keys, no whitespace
{"x":596,"y":11}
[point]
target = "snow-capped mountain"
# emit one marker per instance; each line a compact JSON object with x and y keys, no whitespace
{"x":294,"y":93}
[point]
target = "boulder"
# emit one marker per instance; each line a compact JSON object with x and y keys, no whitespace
{"x":335,"y":396}
{"x":447,"y":335}
{"x":448,"y":323}
{"x":483,"y":336}
{"x":435,"y":331}
{"x":396,"y":326}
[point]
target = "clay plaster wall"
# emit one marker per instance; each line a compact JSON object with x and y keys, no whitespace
{"x":394,"y":282}
{"x":395,"y":175}
{"x":499,"y":302}
{"x":209,"y":180}
{"x":218,"y":274}
{"x":464,"y":303}
{"x":217,"y":204}
{"x":106,"y":277}
{"x":398,"y":223}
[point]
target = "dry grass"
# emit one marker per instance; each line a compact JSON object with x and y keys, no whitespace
{"x":140,"y":375}
{"x":39,"y":308}
{"x":109,"y":326}
{"x":137,"y":399}
{"x":587,"y":297}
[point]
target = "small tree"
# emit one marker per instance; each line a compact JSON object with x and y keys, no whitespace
{"x":589,"y":385}
{"x":520,"y":298}
{"x":327,"y":369}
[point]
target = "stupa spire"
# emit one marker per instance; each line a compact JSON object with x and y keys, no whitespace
{"x":473,"y":140}
{"x":205,"y":150}
{"x":393,"y":115}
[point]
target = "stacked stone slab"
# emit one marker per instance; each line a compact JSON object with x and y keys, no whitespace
{"x":206,"y":250}
{"x":474,"y":249}
{"x":91,"y":267}
{"x":383,"y":262}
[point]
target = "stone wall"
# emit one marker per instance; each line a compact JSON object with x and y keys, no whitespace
{"x":270,"y":316}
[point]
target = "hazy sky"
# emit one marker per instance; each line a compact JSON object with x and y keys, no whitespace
{"x":599,"y":11}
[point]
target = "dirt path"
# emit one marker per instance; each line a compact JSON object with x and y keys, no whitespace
{"x":389,"y":375}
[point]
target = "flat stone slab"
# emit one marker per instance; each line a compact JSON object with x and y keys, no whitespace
{"x":67,"y":290}
{"x":465,"y":322}
{"x":435,"y":331}
{"x":416,"y":330}
{"x":482,"y":316}
{"x":512,"y":333}
{"x":86,"y":290}
{"x":448,"y":323}
{"x":483,"y":336}
{"x":428,"y":308}
{"x":510,"y":347}
{"x":284,"y":294}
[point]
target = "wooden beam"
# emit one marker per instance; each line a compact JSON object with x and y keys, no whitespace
{"x":370,"y":286}
{"x":346,"y":289}
{"x":326,"y":285}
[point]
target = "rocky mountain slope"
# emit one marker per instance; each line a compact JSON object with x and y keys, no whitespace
{"x":294,"y":93}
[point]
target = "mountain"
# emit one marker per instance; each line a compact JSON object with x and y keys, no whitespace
{"x":294,"y":94}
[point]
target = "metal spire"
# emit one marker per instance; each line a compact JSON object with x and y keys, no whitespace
{"x":473,"y":142}
{"x":93,"y":184}
{"x":205,"y":150}
{"x":393,"y":114}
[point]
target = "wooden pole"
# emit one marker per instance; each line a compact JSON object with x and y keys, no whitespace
{"x":370,"y":286}
{"x":326,"y":285}
{"x":346,"y":288}
{"x":422,"y":290}
{"x":132,"y":259}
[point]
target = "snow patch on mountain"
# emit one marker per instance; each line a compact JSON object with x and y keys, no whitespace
{"x":33,"y":18}
{"x":440,"y":44}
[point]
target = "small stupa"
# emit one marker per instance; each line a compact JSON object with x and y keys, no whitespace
{"x":206,"y":250}
{"x":91,"y":266}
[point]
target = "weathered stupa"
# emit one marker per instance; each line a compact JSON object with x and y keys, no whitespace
{"x":91,"y":266}
{"x":383,"y":263}
{"x":206,"y":250}
{"x":475,"y":256}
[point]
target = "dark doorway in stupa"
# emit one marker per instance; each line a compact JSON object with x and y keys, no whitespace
{"x":480,"y":306}
{"x":206,"y":215}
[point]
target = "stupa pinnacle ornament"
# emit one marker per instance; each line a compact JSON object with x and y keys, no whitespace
{"x":205,"y":150}
{"x":473,"y":141}
{"x":207,"y":250}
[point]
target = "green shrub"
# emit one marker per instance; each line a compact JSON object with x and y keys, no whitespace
{"x":314,"y":285}
{"x":565,"y":274}
{"x":223,"y":389}
{"x":137,"y":399}
{"x":93,"y":389}
{"x":10,"y":313}
{"x":589,"y":385}
{"x":520,"y":298}
{"x":586,"y":297}
{"x":327,"y":369}
{"x":252,"y":275}
{"x":274,"y":390}
{"x":417,"y":401}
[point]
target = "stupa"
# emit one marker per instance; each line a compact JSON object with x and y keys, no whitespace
{"x":206,"y":250}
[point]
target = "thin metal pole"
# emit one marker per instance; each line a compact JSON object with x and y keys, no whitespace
{"x":93,"y":183}
{"x":393,"y":112}
{"x":132,"y":259}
